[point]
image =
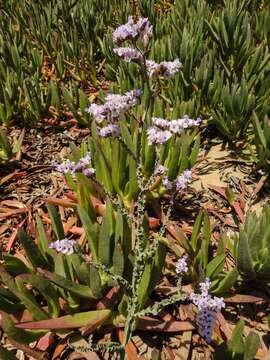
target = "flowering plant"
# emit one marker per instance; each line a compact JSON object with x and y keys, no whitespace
{"x":128,"y":150}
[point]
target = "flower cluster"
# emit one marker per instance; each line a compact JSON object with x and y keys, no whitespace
{"x":181,"y":265}
{"x":114,"y":105}
{"x":128,"y":54}
{"x":162,"y":130}
{"x":64,"y":246}
{"x":132,"y":30}
{"x":183,"y":180}
{"x":109,"y":130}
{"x":161,"y":170}
{"x":71,"y":167}
{"x":165,"y":68}
{"x":180,"y":183}
{"x":208,"y":307}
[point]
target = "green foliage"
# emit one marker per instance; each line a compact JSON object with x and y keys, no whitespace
{"x":239,"y":348}
{"x":253,"y":248}
{"x":7,"y":151}
{"x":203,"y":262}
{"x":46,"y":45}
{"x":262,"y":142}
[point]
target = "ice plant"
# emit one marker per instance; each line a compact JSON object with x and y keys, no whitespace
{"x":64,"y":246}
{"x":208,"y":307}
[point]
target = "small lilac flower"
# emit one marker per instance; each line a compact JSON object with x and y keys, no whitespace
{"x":208,"y":307}
{"x":165,"y":68}
{"x":183,"y":180}
{"x":114,"y":105}
{"x":181,"y":265}
{"x":109,"y":130}
{"x":128,"y":54}
{"x":167,"y":183}
{"x":152,"y":67}
{"x":161,"y":123}
{"x":89,"y":172}
{"x":72,"y":167}
{"x":65,"y":167}
{"x":170,"y":68}
{"x":64,"y":246}
{"x":176,"y":127}
{"x":161,"y":170}
{"x":99,"y":112}
{"x":156,"y":136}
{"x":132,"y":30}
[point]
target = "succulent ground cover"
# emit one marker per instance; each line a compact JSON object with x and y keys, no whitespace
{"x":134,"y":190}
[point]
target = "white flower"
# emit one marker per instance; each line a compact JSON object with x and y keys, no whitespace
{"x":64,"y":246}
{"x":161,"y":170}
{"x":109,"y":130}
{"x":132,"y":30}
{"x":165,"y":68}
{"x":128,"y":54}
{"x":183,"y":180}
{"x":181,"y":265}
{"x":208,"y":307}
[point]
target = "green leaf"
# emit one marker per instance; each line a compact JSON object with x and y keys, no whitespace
{"x":196,"y":231}
{"x":118,"y":260}
{"x":259,"y":131}
{"x":226,"y":283}
{"x":47,"y":291}
{"x":6,"y":354}
{"x":105,"y":242}
{"x":19,"y":335}
{"x":14,"y":265}
{"x":57,"y":225}
{"x":95,"y":317}
{"x":215,"y":266}
{"x":76,"y":289}
{"x":251,"y":346}
{"x":91,"y":230}
{"x":236,"y":344}
{"x":95,"y":282}
{"x":31,"y":249}
{"x":17,"y":146}
{"x":10,"y":307}
{"x":244,"y":259}
{"x":42,"y":237}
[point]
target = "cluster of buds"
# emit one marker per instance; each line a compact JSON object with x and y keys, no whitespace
{"x":114,"y":106}
{"x":133,"y":30}
{"x":128,"y":54}
{"x":162,"y":130}
{"x":142,"y":29}
{"x":208,"y":307}
{"x":165,"y":68}
{"x":180,"y":183}
{"x":181,"y":265}
{"x":64,"y":246}
{"x":71,"y":167}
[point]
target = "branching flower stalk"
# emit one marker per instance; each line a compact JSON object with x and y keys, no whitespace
{"x":107,"y":117}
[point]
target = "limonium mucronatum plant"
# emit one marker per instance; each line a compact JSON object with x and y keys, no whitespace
{"x":131,"y":161}
{"x":127,"y":140}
